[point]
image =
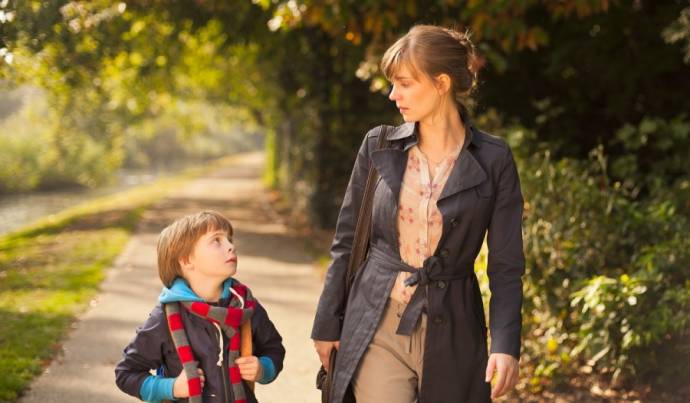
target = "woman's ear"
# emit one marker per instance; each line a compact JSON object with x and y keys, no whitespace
{"x":443,"y":83}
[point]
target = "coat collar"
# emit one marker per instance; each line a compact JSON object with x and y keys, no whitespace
{"x":410,"y":132}
{"x":391,"y":162}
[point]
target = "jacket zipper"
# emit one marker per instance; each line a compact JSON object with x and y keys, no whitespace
{"x":224,"y":370}
{"x":225,"y":381}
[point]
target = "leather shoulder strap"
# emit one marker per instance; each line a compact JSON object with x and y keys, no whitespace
{"x":360,"y":243}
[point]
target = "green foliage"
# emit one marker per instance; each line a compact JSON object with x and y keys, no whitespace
{"x":654,"y":158}
{"x":37,"y":151}
{"x":598,"y":72}
{"x":607,"y":283}
{"x":679,"y":31}
{"x":21,"y":167}
{"x":123,"y":84}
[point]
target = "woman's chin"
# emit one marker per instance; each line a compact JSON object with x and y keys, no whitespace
{"x":408,"y":118}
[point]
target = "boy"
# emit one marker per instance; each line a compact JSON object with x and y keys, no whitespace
{"x":192,"y":336}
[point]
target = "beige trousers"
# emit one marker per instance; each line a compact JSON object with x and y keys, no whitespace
{"x":391,"y":369}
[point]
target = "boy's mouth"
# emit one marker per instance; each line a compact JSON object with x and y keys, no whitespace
{"x":231,"y":260}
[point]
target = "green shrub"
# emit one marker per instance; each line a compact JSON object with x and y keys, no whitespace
{"x":38,"y":151}
{"x":607,"y":288}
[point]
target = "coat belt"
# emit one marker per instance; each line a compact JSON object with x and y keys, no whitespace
{"x":431,"y":270}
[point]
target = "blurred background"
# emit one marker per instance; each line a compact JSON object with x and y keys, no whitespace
{"x":593,"y":96}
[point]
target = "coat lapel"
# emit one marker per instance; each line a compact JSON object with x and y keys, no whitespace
{"x":466,"y":173}
{"x":391,"y":162}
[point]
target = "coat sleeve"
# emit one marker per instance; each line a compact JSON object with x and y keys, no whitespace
{"x":330,"y":310}
{"x":144,"y":353}
{"x":506,"y":261}
{"x":266,"y":340}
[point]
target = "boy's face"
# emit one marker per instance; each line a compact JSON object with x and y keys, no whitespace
{"x":214,"y":255}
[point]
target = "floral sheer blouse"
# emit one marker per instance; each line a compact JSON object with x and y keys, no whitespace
{"x":419,"y":221}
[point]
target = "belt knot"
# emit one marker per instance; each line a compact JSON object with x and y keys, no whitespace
{"x":423,"y":275}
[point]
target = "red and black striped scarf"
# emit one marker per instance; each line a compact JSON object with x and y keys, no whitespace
{"x":229,"y":319}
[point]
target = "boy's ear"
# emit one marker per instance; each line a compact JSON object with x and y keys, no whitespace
{"x":185,"y":263}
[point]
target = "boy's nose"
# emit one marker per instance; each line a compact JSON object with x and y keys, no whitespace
{"x":391,"y":95}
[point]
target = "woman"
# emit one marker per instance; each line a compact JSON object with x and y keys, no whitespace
{"x":444,"y":184}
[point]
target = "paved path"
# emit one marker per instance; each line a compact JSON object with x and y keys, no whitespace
{"x":271,"y":262}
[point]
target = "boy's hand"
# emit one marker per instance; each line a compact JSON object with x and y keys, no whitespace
{"x":250,"y":368}
{"x":181,"y":387}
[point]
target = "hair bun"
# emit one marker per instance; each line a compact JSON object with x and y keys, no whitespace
{"x":465,"y":41}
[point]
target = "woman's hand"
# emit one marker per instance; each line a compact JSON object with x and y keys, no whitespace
{"x":250,"y":368}
{"x":507,"y":377}
{"x":323,"y":349}
{"x":181,"y":387}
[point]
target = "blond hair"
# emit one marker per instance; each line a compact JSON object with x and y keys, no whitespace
{"x":177,"y":241}
{"x":435,"y":50}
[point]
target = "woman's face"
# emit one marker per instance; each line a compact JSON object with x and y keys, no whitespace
{"x":415,"y":96}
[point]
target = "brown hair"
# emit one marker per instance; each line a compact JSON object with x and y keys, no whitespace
{"x":435,"y":50}
{"x":177,"y":241}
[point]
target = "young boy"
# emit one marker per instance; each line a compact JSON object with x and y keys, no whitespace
{"x":192,"y":336}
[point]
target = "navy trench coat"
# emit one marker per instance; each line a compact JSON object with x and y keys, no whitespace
{"x":481,"y":194}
